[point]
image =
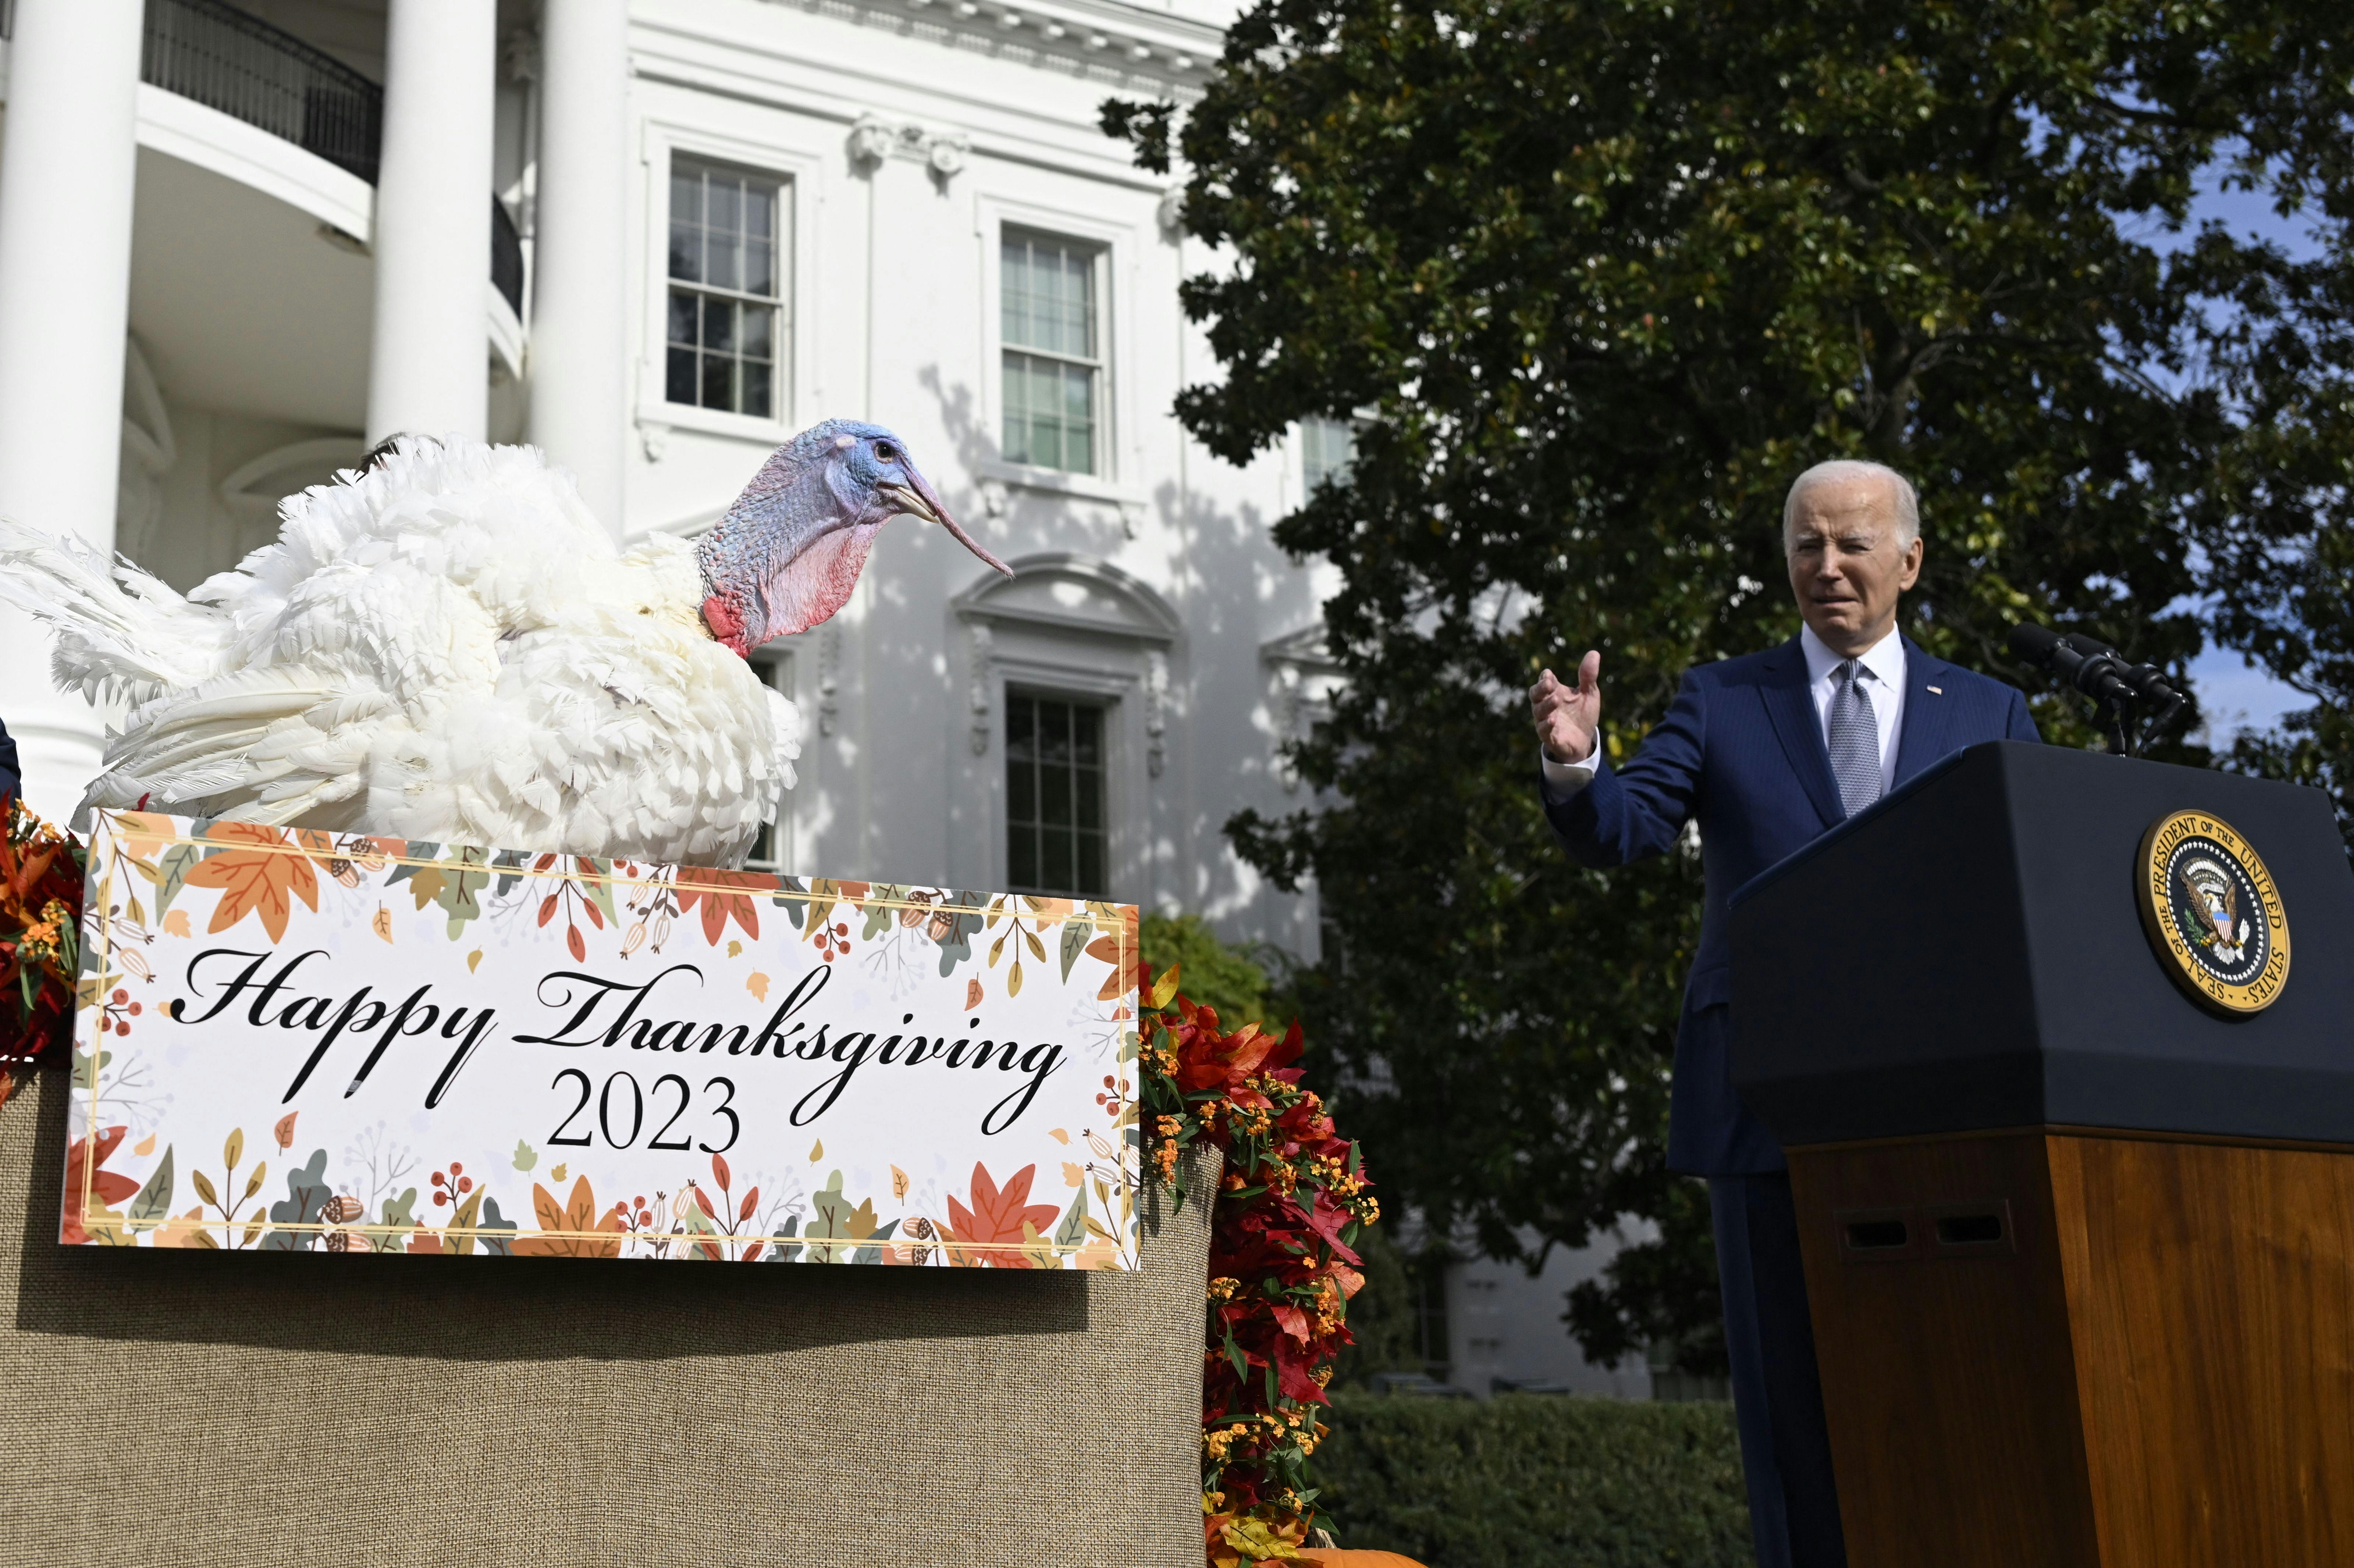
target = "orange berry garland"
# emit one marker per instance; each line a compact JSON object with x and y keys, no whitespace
{"x":1290,"y":1202}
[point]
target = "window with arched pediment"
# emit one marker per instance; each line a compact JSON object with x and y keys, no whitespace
{"x":1069,"y":706}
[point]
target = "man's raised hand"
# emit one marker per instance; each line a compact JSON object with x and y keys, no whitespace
{"x":1568,"y":717}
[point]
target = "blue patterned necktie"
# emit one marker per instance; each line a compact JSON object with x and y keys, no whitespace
{"x":1854,"y":737}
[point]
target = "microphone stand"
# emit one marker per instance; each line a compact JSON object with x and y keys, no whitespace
{"x":2100,"y":672}
{"x":2107,"y":674}
{"x":2117,"y":711}
{"x":2113,"y":714}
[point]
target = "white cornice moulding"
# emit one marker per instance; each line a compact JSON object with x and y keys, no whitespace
{"x":1109,"y":602}
{"x":817,"y":86}
{"x":1125,"y":47}
{"x":1054,"y":481}
{"x":1303,"y":650}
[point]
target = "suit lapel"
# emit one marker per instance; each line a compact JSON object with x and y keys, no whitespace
{"x":1926,"y":711}
{"x":1792,"y":708}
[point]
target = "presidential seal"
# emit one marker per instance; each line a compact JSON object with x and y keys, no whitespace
{"x":2213,"y":913}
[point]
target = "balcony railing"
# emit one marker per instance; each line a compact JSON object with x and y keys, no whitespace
{"x":249,"y":69}
{"x":240,"y":65}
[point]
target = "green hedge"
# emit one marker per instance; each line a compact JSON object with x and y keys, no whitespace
{"x":1535,"y":1482}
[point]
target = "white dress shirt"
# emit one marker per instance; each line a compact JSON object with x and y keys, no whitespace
{"x":1884,"y":686}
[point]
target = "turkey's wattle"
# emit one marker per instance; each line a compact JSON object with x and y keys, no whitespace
{"x":450,"y":648}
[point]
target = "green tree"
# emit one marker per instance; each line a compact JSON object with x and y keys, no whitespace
{"x":1210,"y":971}
{"x":1607,"y":274}
{"x":2278,"y":522}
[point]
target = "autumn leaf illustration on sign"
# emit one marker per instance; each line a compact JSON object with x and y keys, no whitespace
{"x":1119,"y":949}
{"x":106,"y":1188}
{"x":998,"y":1214}
{"x":575,"y":1228}
{"x":725,"y":896}
{"x":264,"y":879}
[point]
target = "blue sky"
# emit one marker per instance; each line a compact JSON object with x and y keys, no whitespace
{"x":2234,"y":695}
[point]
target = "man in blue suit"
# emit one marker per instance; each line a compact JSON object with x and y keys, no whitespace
{"x":1764,"y":753}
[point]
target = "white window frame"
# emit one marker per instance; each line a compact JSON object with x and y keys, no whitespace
{"x":797,"y":173}
{"x":1307,"y":485}
{"x":1097,"y":365}
{"x":748,"y":304}
{"x":1071,"y":671}
{"x":1129,"y":665}
{"x":1117,"y":246}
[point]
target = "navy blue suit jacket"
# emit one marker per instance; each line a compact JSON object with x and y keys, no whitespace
{"x":1740,"y":752}
{"x":12,"y":780}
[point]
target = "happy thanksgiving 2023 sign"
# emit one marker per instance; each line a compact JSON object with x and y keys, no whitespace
{"x":298,"y":1041}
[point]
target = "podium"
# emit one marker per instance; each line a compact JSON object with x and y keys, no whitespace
{"x":2078,"y":1229}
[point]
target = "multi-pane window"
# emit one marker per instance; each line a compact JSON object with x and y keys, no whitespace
{"x":1056,"y":840}
{"x":726,"y":288}
{"x":1054,"y":351}
{"x":1327,"y":448}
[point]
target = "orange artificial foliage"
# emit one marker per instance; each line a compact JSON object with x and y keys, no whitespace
{"x":40,"y":921}
{"x":1282,"y":1267}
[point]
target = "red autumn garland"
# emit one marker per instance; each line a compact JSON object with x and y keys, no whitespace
{"x":40,"y":915}
{"x":1290,"y":1204}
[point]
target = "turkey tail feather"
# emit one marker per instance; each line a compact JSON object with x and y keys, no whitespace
{"x":119,"y":629}
{"x":205,"y":750}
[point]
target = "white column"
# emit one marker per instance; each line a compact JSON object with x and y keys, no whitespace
{"x":580,"y":314}
{"x":68,"y":158}
{"x":428,"y":355}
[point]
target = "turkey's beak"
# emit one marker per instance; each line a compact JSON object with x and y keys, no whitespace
{"x":916,"y":499}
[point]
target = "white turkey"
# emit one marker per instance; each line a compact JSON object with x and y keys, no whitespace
{"x":447,"y":645}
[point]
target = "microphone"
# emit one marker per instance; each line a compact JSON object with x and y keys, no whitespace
{"x":2101,"y":676}
{"x":2147,"y":681}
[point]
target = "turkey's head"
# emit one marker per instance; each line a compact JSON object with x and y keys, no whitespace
{"x":789,"y":551}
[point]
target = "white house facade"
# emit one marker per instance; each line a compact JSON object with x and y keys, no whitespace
{"x":240,"y":243}
{"x":656,"y":237}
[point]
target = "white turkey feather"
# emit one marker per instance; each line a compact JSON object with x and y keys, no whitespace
{"x":121,"y":631}
{"x":448,"y":647}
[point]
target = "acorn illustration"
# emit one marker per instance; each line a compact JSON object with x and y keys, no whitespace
{"x":342,"y":1210}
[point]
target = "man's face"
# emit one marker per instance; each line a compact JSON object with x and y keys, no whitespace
{"x":1847,"y":568}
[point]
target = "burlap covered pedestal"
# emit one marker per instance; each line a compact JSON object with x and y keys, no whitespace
{"x":201,"y":1408}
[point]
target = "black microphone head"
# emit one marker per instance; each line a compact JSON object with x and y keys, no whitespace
{"x":2091,"y":647}
{"x":2034,"y":643}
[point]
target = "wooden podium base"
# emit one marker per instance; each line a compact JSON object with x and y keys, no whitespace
{"x":2071,"y":1346}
